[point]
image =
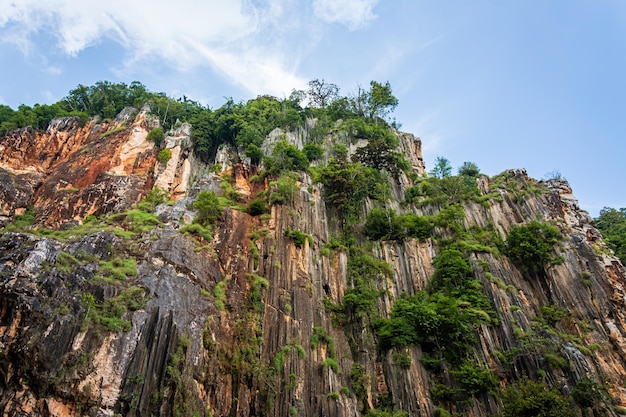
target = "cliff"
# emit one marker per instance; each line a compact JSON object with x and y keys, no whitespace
{"x":109,"y":308}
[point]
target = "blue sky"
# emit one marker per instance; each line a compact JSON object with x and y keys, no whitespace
{"x":535,"y":84}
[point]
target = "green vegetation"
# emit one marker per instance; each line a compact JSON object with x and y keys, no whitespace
{"x":257,"y":207}
{"x":384,"y":224}
{"x":298,"y":237}
{"x":321,"y":336}
{"x":531,"y":246}
{"x":164,"y":156}
{"x":348,"y":184}
{"x":156,"y":135}
{"x":332,"y":364}
{"x":612,"y":224}
{"x":110,"y":312}
{"x":209,"y":208}
{"x":219,"y":292}
{"x":119,"y":269}
{"x":530,"y":398}
{"x":285,"y":158}
{"x":283,"y":190}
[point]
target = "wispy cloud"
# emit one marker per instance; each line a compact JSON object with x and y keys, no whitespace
{"x":236,"y":37}
{"x":352,"y":13}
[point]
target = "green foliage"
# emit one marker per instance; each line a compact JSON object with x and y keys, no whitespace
{"x":402,"y":360}
{"x":531,"y":246}
{"x":530,"y":398}
{"x":257,"y":206}
{"x":442,"y":320}
{"x":198,"y":230}
{"x":588,"y":393}
{"x":255,"y":153}
{"x":298,"y":237}
{"x":333,"y":395}
{"x":152,"y":199}
{"x":332,"y":364}
{"x":474,"y":379}
{"x":219,"y":292}
{"x":109,"y":314}
{"x":379,"y":152}
{"x":363,"y":271}
{"x":283,"y":190}
{"x":285,"y":157}
{"x":156,"y":135}
{"x":612,"y":224}
{"x":469,"y":169}
{"x":384,"y":224}
{"x":348,"y":184}
{"x":255,"y":297}
{"x":313,"y":151}
{"x":118,"y":268}
{"x":442,"y":168}
{"x":517,"y":186}
{"x":444,"y":190}
{"x":209,"y":208}
{"x":25,"y":219}
{"x":359,"y":382}
{"x":164,"y":156}
{"x":135,"y":220}
{"x":377,"y":102}
{"x":320,"y":335}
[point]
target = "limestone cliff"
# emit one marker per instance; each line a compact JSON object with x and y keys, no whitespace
{"x":133,"y":314}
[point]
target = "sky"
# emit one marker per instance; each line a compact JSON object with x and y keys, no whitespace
{"x":529,"y":84}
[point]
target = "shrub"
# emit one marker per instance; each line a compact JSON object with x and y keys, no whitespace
{"x":254,"y":153}
{"x":530,"y":398}
{"x":313,"y":151}
{"x":152,"y":199}
{"x":612,"y":224}
{"x":298,"y":237}
{"x":209,"y":208}
{"x":588,"y":392}
{"x":283,"y":189}
{"x":257,"y":206}
{"x":531,"y":246}
{"x":156,"y":135}
{"x":198,"y":230}
{"x":164,"y":156}
{"x":402,"y":360}
{"x":474,"y":379}
{"x":285,"y":157}
{"x":332,"y":364}
{"x":26,"y":219}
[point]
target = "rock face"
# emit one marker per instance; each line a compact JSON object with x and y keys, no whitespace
{"x":116,"y":318}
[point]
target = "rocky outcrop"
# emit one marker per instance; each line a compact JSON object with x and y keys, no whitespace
{"x":111,"y":318}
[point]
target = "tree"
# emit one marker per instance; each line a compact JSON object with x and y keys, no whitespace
{"x":531,"y":246}
{"x":379,"y":155}
{"x":612,"y":224}
{"x":156,"y":135}
{"x":442,"y":168}
{"x":322,"y":93}
{"x":209,"y":208}
{"x":535,"y":399}
{"x":285,"y":157}
{"x":469,"y":169}
{"x":380,"y":100}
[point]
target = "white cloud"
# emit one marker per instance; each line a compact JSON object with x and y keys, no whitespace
{"x":236,"y":37}
{"x":352,"y":13}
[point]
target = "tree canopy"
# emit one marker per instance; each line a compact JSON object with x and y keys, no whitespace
{"x":612,"y":224}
